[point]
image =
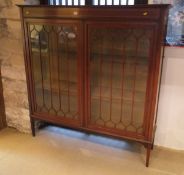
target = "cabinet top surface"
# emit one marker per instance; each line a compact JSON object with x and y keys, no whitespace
{"x":149,"y":12}
{"x":99,"y":7}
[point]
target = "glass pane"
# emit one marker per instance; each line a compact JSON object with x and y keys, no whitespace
{"x":54,"y":66}
{"x":131,"y":2}
{"x":119,"y":60}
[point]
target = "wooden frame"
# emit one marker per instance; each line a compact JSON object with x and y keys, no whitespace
{"x":143,"y":17}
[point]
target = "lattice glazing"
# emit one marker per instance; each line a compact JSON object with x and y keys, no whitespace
{"x":55,"y":80}
{"x":119,"y":61}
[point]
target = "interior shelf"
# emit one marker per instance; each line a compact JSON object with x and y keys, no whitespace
{"x":62,"y":88}
{"x":117,"y":94}
{"x":120,"y":59}
{"x":45,"y":52}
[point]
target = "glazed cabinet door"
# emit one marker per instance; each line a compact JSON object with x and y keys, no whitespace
{"x":120,"y":62}
{"x":55,"y":68}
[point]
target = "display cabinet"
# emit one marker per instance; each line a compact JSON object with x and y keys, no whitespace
{"x":95,"y":69}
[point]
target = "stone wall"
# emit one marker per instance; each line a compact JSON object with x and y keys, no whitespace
{"x":12,"y":67}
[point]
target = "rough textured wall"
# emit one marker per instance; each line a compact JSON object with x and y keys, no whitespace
{"x":13,"y":70}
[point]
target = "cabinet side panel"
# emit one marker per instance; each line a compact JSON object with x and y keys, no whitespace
{"x":159,"y":56}
{"x":26,"y":59}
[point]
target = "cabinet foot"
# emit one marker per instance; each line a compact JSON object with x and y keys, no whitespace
{"x":33,"y":127}
{"x":149,"y":146}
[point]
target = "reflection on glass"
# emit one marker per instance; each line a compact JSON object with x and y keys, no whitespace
{"x":113,"y":2}
{"x":67,"y":2}
{"x":119,"y":60}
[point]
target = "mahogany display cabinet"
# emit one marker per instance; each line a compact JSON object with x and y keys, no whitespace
{"x":95,"y":69}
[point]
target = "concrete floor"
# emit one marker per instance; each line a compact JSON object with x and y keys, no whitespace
{"x":56,"y":151}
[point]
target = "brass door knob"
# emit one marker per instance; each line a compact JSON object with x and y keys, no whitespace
{"x":145,"y":13}
{"x":75,"y":13}
{"x":27,"y":12}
